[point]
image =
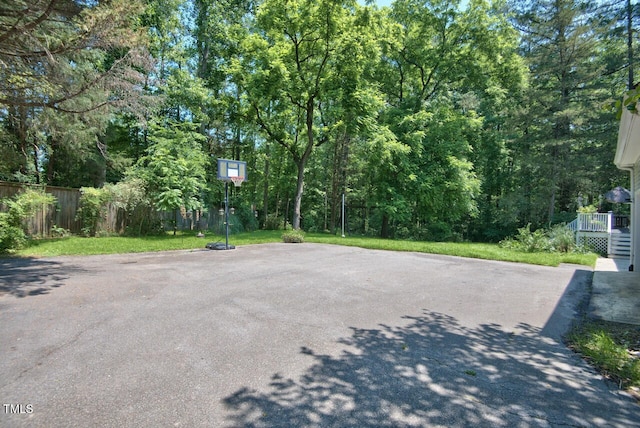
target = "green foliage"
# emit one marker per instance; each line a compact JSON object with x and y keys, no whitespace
{"x":95,"y":64}
{"x":246,"y":218}
{"x":557,"y":239}
{"x":630,"y":102}
{"x":428,"y":116}
{"x":273,"y":222}
{"x":588,"y":209}
{"x":562,"y":239}
{"x":295,"y":236}
{"x":19,"y":209}
{"x":138,"y":215}
{"x":173,"y":170}
{"x":126,"y":201}
{"x":11,"y":237}
{"x":604,"y":350}
{"x":59,"y":232}
{"x":528,"y":241}
{"x":93,"y":209}
{"x":563,"y":146}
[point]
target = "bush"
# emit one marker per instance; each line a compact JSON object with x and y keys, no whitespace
{"x":558,"y":239}
{"x":20,"y":209}
{"x":59,"y":232}
{"x":93,"y":209}
{"x":293,"y":236}
{"x":273,"y":222}
{"x":247,"y":217}
{"x":11,"y":237}
{"x":528,"y":241}
{"x":137,"y":214}
{"x":562,"y":239}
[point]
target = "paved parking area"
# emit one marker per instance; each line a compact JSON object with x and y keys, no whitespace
{"x":615,"y":293}
{"x":295,"y":335}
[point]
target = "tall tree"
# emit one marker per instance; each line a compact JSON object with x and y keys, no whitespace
{"x":567,"y":138}
{"x":173,"y":168}
{"x":288,"y":67}
{"x":64,"y":65}
{"x":443,"y":64}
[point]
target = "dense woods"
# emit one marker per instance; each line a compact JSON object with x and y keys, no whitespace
{"x":437,"y":120}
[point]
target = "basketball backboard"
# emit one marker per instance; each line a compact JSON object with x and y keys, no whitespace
{"x":229,"y":169}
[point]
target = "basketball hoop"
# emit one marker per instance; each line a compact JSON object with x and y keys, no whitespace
{"x":237,"y":181}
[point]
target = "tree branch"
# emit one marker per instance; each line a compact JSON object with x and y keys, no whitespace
{"x":27,"y":27}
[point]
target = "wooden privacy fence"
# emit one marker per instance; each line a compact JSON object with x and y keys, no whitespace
{"x":61,"y":214}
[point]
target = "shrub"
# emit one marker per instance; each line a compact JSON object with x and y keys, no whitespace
{"x":273,"y":222}
{"x":19,"y":209}
{"x":11,"y":237}
{"x":293,"y":236}
{"x":247,"y":218}
{"x":528,"y":241}
{"x":93,"y":209}
{"x":137,"y":214}
{"x":59,"y":232}
{"x":558,"y":239}
{"x":588,"y":209}
{"x":562,"y":239}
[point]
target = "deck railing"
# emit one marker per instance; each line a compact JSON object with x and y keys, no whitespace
{"x":595,"y":230}
{"x":593,"y":222}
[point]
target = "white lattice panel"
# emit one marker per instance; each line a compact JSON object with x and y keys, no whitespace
{"x":599,"y":244}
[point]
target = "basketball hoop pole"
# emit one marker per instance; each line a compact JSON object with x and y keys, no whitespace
{"x":226,"y":214}
{"x":236,"y":172}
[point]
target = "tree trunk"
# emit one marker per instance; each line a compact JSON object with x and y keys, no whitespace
{"x":52,"y":158}
{"x":301,"y":162}
{"x":297,"y":202}
{"x":384,"y":229}
{"x":36,"y":163}
{"x":339,"y":177}
{"x":335,"y":185}
{"x":265,"y":190}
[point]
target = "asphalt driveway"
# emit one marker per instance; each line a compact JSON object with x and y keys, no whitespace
{"x":295,"y":335}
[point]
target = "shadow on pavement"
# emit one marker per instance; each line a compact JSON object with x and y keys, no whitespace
{"x":436,"y":372}
{"x":572,"y":305}
{"x":22,"y":277}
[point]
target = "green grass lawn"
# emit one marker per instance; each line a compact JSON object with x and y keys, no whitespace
{"x":185,"y":241}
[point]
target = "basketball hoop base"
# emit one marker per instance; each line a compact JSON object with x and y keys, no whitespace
{"x":219,"y":246}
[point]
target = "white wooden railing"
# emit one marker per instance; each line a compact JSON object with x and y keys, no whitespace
{"x":595,"y":222}
{"x":598,"y":222}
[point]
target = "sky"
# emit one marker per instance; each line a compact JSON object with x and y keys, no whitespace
{"x":380,"y":3}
